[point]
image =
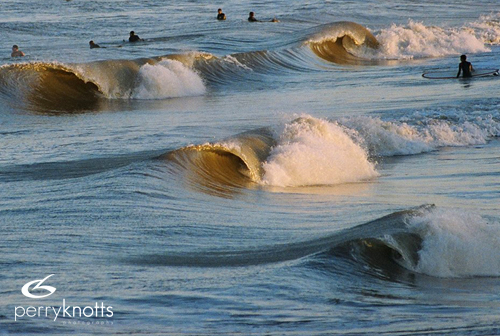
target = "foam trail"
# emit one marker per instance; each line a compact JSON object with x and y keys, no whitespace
{"x":487,"y":28}
{"x":313,"y":151}
{"x":389,"y":138}
{"x":167,"y":79}
{"x":415,"y":40}
{"x":457,"y":243}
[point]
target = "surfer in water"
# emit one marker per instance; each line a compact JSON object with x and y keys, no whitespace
{"x":133,"y":37}
{"x":16,"y":52}
{"x":93,"y":45}
{"x":220,"y":16}
{"x":465,"y":67}
{"x":251,"y":17}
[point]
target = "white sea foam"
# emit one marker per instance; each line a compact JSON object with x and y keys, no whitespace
{"x":487,"y":28}
{"x":167,"y":79}
{"x":389,"y":138}
{"x":415,"y":40}
{"x":457,"y":243}
{"x":313,"y":151}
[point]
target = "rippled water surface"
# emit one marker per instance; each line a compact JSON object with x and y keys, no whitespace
{"x":228,"y":177}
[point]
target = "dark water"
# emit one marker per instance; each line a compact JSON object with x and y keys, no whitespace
{"x":273,"y":178}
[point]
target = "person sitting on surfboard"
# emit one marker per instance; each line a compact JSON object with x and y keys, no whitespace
{"x":465,"y":67}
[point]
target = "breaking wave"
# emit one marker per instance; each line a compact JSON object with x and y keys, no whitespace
{"x":51,"y":86}
{"x":311,"y":151}
{"x":351,"y":43}
{"x":415,"y":40}
{"x":343,"y":43}
{"x":457,"y":243}
{"x":67,"y":87}
{"x":308,"y":151}
{"x":304,"y":152}
{"x":427,"y":240}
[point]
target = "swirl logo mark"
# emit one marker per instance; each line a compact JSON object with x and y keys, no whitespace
{"x":26,"y":292}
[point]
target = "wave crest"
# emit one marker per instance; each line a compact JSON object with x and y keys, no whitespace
{"x":343,"y":43}
{"x":234,"y":162}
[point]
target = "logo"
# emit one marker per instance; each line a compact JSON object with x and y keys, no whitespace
{"x":26,"y":287}
{"x":98,"y":312}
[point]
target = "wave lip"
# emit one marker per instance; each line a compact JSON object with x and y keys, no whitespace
{"x":343,"y":43}
{"x":47,"y":87}
{"x":222,"y":166}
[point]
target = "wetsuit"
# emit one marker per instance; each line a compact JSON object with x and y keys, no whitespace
{"x":134,"y":38}
{"x":221,"y":16}
{"x":464,"y":67}
{"x":252,"y":19}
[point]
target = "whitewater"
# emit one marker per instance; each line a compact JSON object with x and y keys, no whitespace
{"x":297,"y":177}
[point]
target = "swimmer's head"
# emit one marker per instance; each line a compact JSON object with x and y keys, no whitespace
{"x":132,"y":33}
{"x":219,"y":10}
{"x":463,"y":57}
{"x":15,"y":47}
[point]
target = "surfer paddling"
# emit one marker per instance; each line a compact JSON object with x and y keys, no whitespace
{"x":465,"y":67}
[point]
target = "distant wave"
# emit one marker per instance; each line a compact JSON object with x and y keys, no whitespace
{"x":428,"y":240}
{"x":66,"y":87}
{"x":351,"y":43}
{"x":50,"y":86}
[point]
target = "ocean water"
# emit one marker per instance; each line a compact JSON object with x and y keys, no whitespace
{"x":297,"y":177}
